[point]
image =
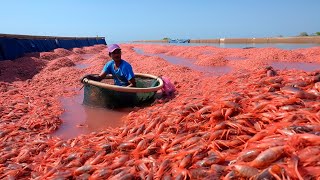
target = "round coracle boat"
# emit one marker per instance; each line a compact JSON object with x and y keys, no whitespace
{"x":104,"y":94}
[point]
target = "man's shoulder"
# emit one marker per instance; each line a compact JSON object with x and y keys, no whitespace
{"x":125,"y":63}
{"x":109,"y":63}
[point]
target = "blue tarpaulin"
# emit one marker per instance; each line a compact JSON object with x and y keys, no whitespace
{"x":67,"y":44}
{"x":13,"y":47}
{"x":101,"y":41}
{"x":179,"y":40}
{"x":82,"y":42}
{"x":10,"y":48}
{"x":92,"y":42}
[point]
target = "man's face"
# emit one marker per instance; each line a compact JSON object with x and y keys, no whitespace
{"x":116,"y":55}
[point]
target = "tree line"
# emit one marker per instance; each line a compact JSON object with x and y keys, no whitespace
{"x":306,"y":34}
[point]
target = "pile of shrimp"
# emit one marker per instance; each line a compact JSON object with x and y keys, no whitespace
{"x":257,"y":123}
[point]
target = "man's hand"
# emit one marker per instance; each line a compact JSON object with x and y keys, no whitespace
{"x":132,"y":82}
{"x":93,"y":77}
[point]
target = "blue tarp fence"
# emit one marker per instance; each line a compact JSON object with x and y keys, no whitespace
{"x":14,"y":46}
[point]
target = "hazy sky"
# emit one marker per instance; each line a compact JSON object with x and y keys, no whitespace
{"x":127,"y":20}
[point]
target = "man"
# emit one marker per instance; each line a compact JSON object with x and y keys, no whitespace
{"x":120,"y":69}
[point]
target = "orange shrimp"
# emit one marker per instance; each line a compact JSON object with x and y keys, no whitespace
{"x":306,"y":139}
{"x":215,"y":115}
{"x":127,"y":146}
{"x":100,"y":174}
{"x":248,"y":155}
{"x":186,"y":161}
{"x":268,"y":156}
{"x":83,"y":169}
{"x":160,"y":128}
{"x":183,"y":174}
{"x":258,"y":136}
{"x":227,"y":112}
{"x":140,"y":129}
{"x":98,"y":159}
{"x":124,"y":132}
{"x":164,"y":166}
{"x":152,"y":125}
{"x":191,"y":141}
{"x":269,"y":173}
{"x":213,"y":158}
{"x":204,"y":110}
{"x":119,"y":161}
{"x":178,"y":140}
{"x":245,"y":171}
{"x":230,"y":104}
{"x":201,"y":173}
{"x":296,"y":161}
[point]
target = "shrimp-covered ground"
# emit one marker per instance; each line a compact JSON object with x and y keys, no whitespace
{"x":255,"y":122}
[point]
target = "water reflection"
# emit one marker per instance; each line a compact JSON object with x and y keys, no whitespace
{"x":209,"y":70}
{"x":85,"y":57}
{"x":296,"y":65}
{"x":81,"y":65}
{"x":80,"y":119}
{"x":233,"y":58}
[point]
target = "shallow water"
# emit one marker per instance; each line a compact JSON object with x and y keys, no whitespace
{"x":81,"y":65}
{"x":214,"y":70}
{"x":81,"y":119}
{"x":296,"y":65}
{"x":85,"y":57}
{"x":209,"y":70}
{"x":233,"y":58}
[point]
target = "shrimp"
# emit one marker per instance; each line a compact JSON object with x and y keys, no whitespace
{"x":204,"y":110}
{"x":151,"y":125}
{"x":249,"y":155}
{"x":164,"y":166}
{"x":200,"y":173}
{"x":227,"y":112}
{"x":216,"y":115}
{"x":260,"y":135}
{"x":269,"y":173}
{"x":296,"y":161}
{"x":140,"y":129}
{"x":100,"y":174}
{"x":98,"y":159}
{"x":245,"y":171}
{"x":177,"y":141}
{"x":119,"y":162}
{"x":213,"y":158}
{"x":268,"y":156}
{"x":306,"y":139}
{"x":160,"y":128}
{"x":83,"y":169}
{"x":127,"y":146}
{"x":186,"y":161}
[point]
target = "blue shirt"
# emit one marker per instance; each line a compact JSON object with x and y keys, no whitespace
{"x":122,"y":75}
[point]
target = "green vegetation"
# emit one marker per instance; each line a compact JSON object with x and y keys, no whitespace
{"x":165,"y":39}
{"x":303,"y":34}
{"x":306,"y":34}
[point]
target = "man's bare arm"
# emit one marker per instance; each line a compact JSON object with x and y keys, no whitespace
{"x":132,"y":82}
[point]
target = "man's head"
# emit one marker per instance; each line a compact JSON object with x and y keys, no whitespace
{"x":114,"y":52}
